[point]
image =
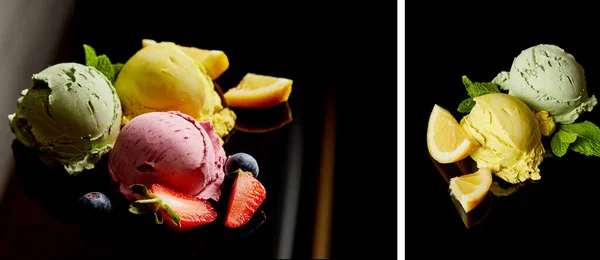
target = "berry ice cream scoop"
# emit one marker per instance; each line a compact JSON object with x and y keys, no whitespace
{"x":171,"y":149}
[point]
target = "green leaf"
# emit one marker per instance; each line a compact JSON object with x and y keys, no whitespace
{"x":560,"y":142}
{"x":158,"y":218}
{"x":467,"y":82}
{"x":138,"y":211}
{"x":151,"y":204}
{"x":117,"y":68}
{"x":106,"y":67}
{"x":588,"y":138}
{"x":148,"y":201}
{"x":90,"y":56}
{"x":172,"y":215}
{"x":141,"y":189}
{"x":475,"y":89}
{"x":466,"y":106}
{"x":102,"y":63}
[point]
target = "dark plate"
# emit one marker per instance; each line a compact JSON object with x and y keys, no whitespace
{"x":57,"y":193}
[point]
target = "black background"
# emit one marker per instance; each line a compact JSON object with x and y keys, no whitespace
{"x":447,"y":40}
{"x":349,"y":48}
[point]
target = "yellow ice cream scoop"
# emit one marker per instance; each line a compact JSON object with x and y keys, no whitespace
{"x":509,"y":137}
{"x":214,"y":61}
{"x":162,"y":77}
{"x":545,"y":122}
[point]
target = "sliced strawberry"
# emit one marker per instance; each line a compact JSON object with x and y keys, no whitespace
{"x":183,"y":212}
{"x":247,"y":194}
{"x":192,"y":211}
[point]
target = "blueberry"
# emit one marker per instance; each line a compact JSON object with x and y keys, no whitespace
{"x":95,"y":202}
{"x":242,"y":161}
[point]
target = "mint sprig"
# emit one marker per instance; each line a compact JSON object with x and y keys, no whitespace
{"x":475,"y":89}
{"x":583,"y":138}
{"x":466,"y":105}
{"x":102,"y":63}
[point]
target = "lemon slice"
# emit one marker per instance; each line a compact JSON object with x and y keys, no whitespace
{"x":447,"y":141}
{"x":214,"y":61}
{"x":470,"y":189}
{"x":259,"y":91}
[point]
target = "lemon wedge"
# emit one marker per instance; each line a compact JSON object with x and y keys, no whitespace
{"x":259,"y":91}
{"x":215,"y":62}
{"x":447,"y":141}
{"x":471,"y":189}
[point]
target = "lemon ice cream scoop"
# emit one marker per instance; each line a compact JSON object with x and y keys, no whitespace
{"x":161,"y":77}
{"x":509,"y":137}
{"x":545,"y":122}
{"x":547,"y":78}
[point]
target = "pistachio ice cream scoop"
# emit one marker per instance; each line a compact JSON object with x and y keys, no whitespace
{"x":70,"y":116}
{"x":547,"y":78}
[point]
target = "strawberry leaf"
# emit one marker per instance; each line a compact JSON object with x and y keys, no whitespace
{"x":140,"y":189}
{"x":172,"y":215}
{"x":150,"y":204}
{"x":148,"y":201}
{"x":158,"y":218}
{"x":137,"y":210}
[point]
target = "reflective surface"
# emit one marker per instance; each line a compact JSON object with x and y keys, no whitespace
{"x":540,"y":220}
{"x":451,"y":170}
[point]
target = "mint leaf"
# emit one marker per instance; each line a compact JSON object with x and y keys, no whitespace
{"x":90,"y":55}
{"x":560,"y":142}
{"x":588,"y":138}
{"x":468,"y":83}
{"x":106,"y":67}
{"x":466,"y":106}
{"x":475,"y":89}
{"x":102,"y":63}
{"x":117,"y":68}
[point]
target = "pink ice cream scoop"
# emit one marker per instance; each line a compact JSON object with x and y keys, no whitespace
{"x":172,"y":149}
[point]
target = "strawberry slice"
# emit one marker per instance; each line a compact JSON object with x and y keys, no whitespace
{"x":192,"y":211}
{"x":247,"y":195}
{"x":184,"y":212}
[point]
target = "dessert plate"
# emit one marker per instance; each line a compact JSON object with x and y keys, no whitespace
{"x":56,"y":193}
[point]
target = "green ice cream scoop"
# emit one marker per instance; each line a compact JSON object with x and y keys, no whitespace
{"x":71,"y":116}
{"x":547,"y":78}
